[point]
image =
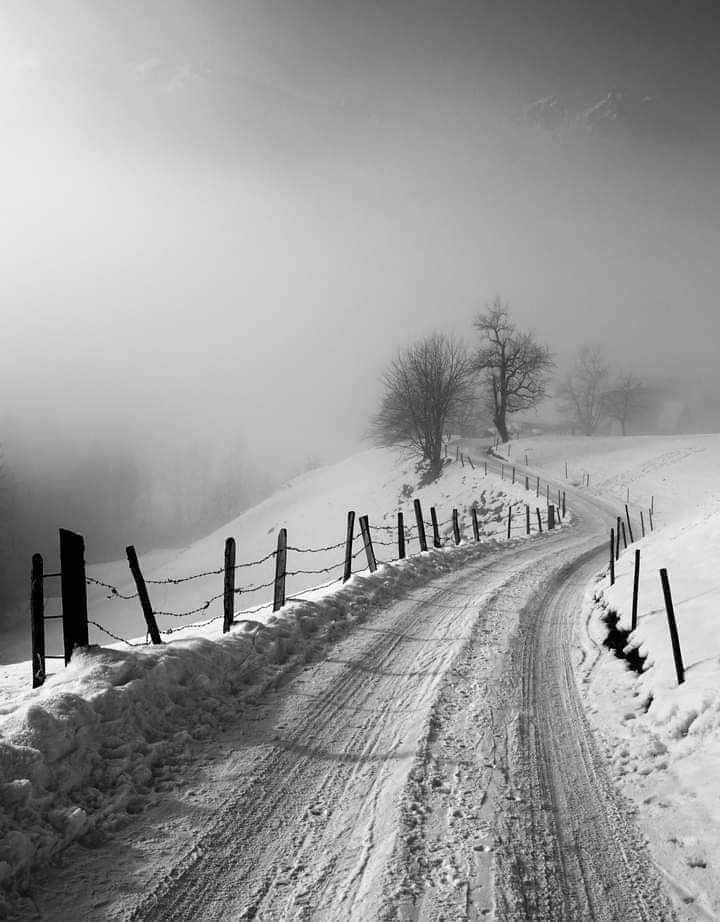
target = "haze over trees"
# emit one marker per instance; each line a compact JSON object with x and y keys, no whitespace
{"x":583,"y":389}
{"x":426,"y":385}
{"x":624,"y":400}
{"x":514,"y":369}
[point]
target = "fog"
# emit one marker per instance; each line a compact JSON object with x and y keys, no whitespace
{"x":220,"y":220}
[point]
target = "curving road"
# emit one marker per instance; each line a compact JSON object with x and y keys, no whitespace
{"x":436,"y":764}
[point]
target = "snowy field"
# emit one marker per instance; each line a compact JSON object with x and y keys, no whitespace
{"x":101,"y":737}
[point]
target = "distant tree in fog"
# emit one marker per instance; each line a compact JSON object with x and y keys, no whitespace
{"x":582,"y":392}
{"x":514,"y":368}
{"x":623,"y":401}
{"x":425,"y":387}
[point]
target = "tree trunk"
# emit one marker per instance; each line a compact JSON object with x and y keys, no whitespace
{"x":501,"y":427}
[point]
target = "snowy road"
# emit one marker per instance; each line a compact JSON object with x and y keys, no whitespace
{"x":435,"y":765}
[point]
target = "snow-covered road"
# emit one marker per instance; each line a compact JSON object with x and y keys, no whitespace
{"x":435,"y":764}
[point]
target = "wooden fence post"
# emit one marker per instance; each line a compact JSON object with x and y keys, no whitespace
{"x":547,"y":494}
{"x":486,"y":468}
{"x":509,"y":520}
{"x":143,"y":595}
{"x":471,"y":462}
{"x":37,"y":620}
{"x":527,"y":482}
{"x":475,"y":524}
{"x":537,"y":486}
{"x":462,"y":460}
{"x":527,"y":519}
{"x":612,"y":556}
{"x":617,"y":539}
{"x":650,"y":516}
{"x":636,"y":584}
{"x":566,"y":470}
{"x":539,"y":518}
{"x":563,"y":506}
{"x":420,"y":525}
{"x":435,"y":527}
{"x":588,"y":479}
{"x":642,"y":523}
{"x":559,"y":503}
{"x":630,"y":531}
{"x":625,"y":543}
{"x":502,"y":472}
{"x":674,"y":639}
{"x":456,"y":526}
{"x":347,"y":572}
{"x":280,"y":570}
{"x":401,"y":536}
{"x":457,"y":452}
{"x":513,"y":474}
{"x":73,"y":591}
{"x":367,"y":540}
{"x":652,"y":505}
{"x":551,"y":517}
{"x":228,"y":585}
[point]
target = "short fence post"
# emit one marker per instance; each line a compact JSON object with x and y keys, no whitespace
{"x":509,"y":520}
{"x":420,"y":525}
{"x":456,"y":526}
{"x":457,"y":452}
{"x":547,"y":493}
{"x":566,"y":470}
{"x":435,"y":528}
{"x":527,"y":519}
{"x":229,"y":585}
{"x":513,"y":476}
{"x":630,"y":531}
{"x":652,"y":505}
{"x":588,"y":479}
{"x":462,"y":460}
{"x":636,"y":583}
{"x":280,"y":570}
{"x":617,"y":539}
{"x":475,"y":524}
{"x":551,"y":518}
{"x":73,"y":591}
{"x":143,"y":595}
{"x":526,"y":459}
{"x":471,"y":462}
{"x":365,"y":529}
{"x":37,"y":620}
{"x":502,"y":472}
{"x":563,"y":504}
{"x":527,"y":482}
{"x":627,"y":496}
{"x":650,"y":516}
{"x":559,"y":502}
{"x":486,"y":468}
{"x":347,"y":572}
{"x":612,"y":556}
{"x":401,"y":536}
{"x":642,"y":523}
{"x":674,"y":639}
{"x":537,"y":486}
{"x":625,"y":544}
{"x":539,"y":518}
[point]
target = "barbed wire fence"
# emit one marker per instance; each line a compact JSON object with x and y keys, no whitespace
{"x":380,"y":544}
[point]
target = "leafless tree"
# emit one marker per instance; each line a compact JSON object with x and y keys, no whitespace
{"x":583,"y":389}
{"x":426,"y":386}
{"x":623,"y":401}
{"x":514,"y":368}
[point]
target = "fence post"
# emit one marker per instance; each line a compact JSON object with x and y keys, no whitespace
{"x":566,"y":470}
{"x":651,"y":520}
{"x":630,"y":531}
{"x":547,"y":494}
{"x":564,"y":510}
{"x":456,"y":526}
{"x":229,"y":585}
{"x":73,"y":591}
{"x":617,"y":539}
{"x":642,"y":523}
{"x":674,"y":639}
{"x":625,"y":544}
{"x":475,"y":524}
{"x":471,"y":462}
{"x":367,"y":540}
{"x":347,"y":572}
{"x":143,"y":595}
{"x":509,"y":520}
{"x":462,"y":460}
{"x":280,"y":570}
{"x":527,"y":482}
{"x":636,"y":583}
{"x":551,"y":517}
{"x":486,"y":468}
{"x":513,"y":476}
{"x":612,"y":556}
{"x":527,"y":519}
{"x":502,"y":472}
{"x":420,"y":525}
{"x":37,"y":620}
{"x":539,"y":518}
{"x":436,"y":529}
{"x":401,"y":536}
{"x":559,"y":503}
{"x":537,"y":486}
{"x":457,"y":452}
{"x":652,"y":505}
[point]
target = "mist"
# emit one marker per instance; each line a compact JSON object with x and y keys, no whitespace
{"x":219,"y":222}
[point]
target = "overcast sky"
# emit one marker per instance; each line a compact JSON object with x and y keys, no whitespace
{"x":236,"y":211}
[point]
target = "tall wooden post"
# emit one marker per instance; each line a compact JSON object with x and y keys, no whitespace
{"x":642,"y":523}
{"x":419,"y":521}
{"x":566,"y":470}
{"x":142,"y":592}
{"x":617,"y":539}
{"x":527,"y":482}
{"x":229,"y":585}
{"x":462,"y":460}
{"x":401,"y":536}
{"x":486,"y":468}
{"x":612,"y":556}
{"x":347,"y":572}
{"x":475,"y":524}
{"x":37,"y":621}
{"x":509,"y":521}
{"x":527,"y":519}
{"x":502,"y":472}
{"x":551,"y":517}
{"x":367,"y":541}
{"x":435,"y":528}
{"x":672,"y":625}
{"x":630,"y":531}
{"x":280,"y":570}
{"x":471,"y":462}
{"x":456,"y":526}
{"x":513,"y":474}
{"x":636,"y":584}
{"x":537,"y":486}
{"x":624,"y":536}
{"x":563,"y":505}
{"x":547,"y":494}
{"x":73,"y":591}
{"x":539,"y":518}
{"x":650,"y":516}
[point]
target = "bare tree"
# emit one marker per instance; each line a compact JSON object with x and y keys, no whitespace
{"x":582,"y":390}
{"x":623,"y":401}
{"x":514,"y":368}
{"x":426,"y":386}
